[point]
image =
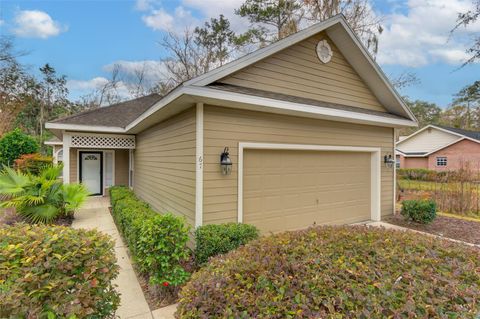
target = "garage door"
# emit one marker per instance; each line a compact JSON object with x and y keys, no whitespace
{"x":287,"y":190}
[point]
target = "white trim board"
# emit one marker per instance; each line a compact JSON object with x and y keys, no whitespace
{"x":199,"y":166}
{"x":375,"y":166}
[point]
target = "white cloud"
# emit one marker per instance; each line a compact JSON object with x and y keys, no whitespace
{"x":36,"y":24}
{"x":212,"y":9}
{"x":159,"y":20}
{"x":87,"y":85}
{"x":178,"y":20}
{"x":152,"y":70}
{"x":422,"y":35}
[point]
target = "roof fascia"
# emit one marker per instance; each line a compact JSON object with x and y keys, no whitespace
{"x":306,"y":109}
{"x":84,"y":128}
{"x":377,"y":69}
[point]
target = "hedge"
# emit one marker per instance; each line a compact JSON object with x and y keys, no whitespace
{"x":419,"y":211}
{"x":338,"y":272}
{"x":215,"y":239}
{"x":157,"y":242}
{"x":57,"y":272}
{"x":422,"y":174}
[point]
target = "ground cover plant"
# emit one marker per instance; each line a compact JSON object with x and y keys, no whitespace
{"x":56,"y":272}
{"x":338,"y":272}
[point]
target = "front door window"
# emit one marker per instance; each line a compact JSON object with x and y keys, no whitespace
{"x":91,"y":171}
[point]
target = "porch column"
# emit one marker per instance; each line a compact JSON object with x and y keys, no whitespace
{"x":67,"y":141}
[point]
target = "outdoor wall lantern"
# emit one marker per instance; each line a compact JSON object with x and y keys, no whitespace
{"x":389,"y":161}
{"x":225,"y":162}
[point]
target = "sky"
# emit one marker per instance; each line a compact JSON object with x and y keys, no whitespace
{"x":83,"y":39}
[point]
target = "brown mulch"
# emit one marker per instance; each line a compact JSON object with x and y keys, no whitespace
{"x":455,"y":228}
{"x":8,"y":216}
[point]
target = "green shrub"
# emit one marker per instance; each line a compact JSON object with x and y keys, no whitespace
{"x":33,"y":163}
{"x":420,"y":211}
{"x":14,"y":144}
{"x":212,"y":240}
{"x":40,"y":198}
{"x":338,"y":272}
{"x":57,"y":270}
{"x":158,"y":242}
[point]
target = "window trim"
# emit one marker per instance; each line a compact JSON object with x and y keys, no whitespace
{"x":441,"y":161}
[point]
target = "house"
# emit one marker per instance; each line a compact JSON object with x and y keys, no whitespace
{"x":439,"y":148}
{"x":300,"y":132}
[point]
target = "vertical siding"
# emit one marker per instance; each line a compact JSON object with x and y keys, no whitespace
{"x":227,"y":127}
{"x":121,"y":167}
{"x":165,"y":165}
{"x":298,"y":71}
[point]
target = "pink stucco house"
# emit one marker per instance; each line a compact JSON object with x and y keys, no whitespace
{"x":439,"y":148}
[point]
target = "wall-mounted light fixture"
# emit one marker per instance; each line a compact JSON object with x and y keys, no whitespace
{"x":389,"y":161}
{"x":225,"y":162}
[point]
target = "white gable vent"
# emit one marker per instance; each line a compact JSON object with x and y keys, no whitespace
{"x":103,"y":141}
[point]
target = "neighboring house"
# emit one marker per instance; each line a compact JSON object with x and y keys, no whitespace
{"x":57,"y":149}
{"x":439,"y":148}
{"x":307,"y":122}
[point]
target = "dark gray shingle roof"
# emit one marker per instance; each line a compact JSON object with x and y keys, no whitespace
{"x":471,"y":134}
{"x":117,"y":115}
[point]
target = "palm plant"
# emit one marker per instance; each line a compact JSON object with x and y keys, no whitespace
{"x":40,"y":198}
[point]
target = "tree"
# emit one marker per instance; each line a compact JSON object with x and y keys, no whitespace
{"x":273,"y":19}
{"x":358,"y":13}
{"x":425,"y":112}
{"x":48,"y":99}
{"x":469,"y":98}
{"x":15,"y":84}
{"x":404,"y":80}
{"x":14,"y":144}
{"x":465,"y":19}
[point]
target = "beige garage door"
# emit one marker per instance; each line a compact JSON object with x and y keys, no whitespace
{"x":287,"y":190}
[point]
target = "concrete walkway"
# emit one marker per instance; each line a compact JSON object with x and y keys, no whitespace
{"x":95,"y":215}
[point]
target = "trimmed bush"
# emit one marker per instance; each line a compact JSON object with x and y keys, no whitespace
{"x":212,"y":240}
{"x":56,"y":271}
{"x":419,"y":211}
{"x":338,"y":272}
{"x":158,"y":242}
{"x":14,"y":144}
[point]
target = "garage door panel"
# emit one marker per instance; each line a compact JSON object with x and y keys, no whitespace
{"x":286,"y":190}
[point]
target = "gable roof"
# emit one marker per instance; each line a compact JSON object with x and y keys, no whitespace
{"x":462,"y":134}
{"x":118,"y":119}
{"x":471,"y":134}
{"x":115,"y":115}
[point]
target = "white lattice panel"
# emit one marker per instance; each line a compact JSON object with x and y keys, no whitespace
{"x":99,"y":141}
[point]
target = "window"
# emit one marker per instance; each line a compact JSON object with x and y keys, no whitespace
{"x":441,"y":161}
{"x":397,"y":162}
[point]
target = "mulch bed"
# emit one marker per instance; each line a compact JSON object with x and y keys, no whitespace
{"x":455,"y":228}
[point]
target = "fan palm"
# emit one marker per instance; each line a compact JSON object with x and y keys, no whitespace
{"x":40,"y":198}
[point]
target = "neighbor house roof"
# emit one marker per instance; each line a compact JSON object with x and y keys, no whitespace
{"x":461,"y":135}
{"x":133,"y":116}
{"x":115,"y":115}
{"x":53,"y":141}
{"x":471,"y":134}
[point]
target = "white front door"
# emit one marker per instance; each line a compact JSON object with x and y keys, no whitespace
{"x":91,"y":171}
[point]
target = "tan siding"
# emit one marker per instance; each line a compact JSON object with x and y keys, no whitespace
{"x":73,"y":165}
{"x":165,"y":165}
{"x":297,"y":71}
{"x":227,"y":127}
{"x":121,"y":167}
